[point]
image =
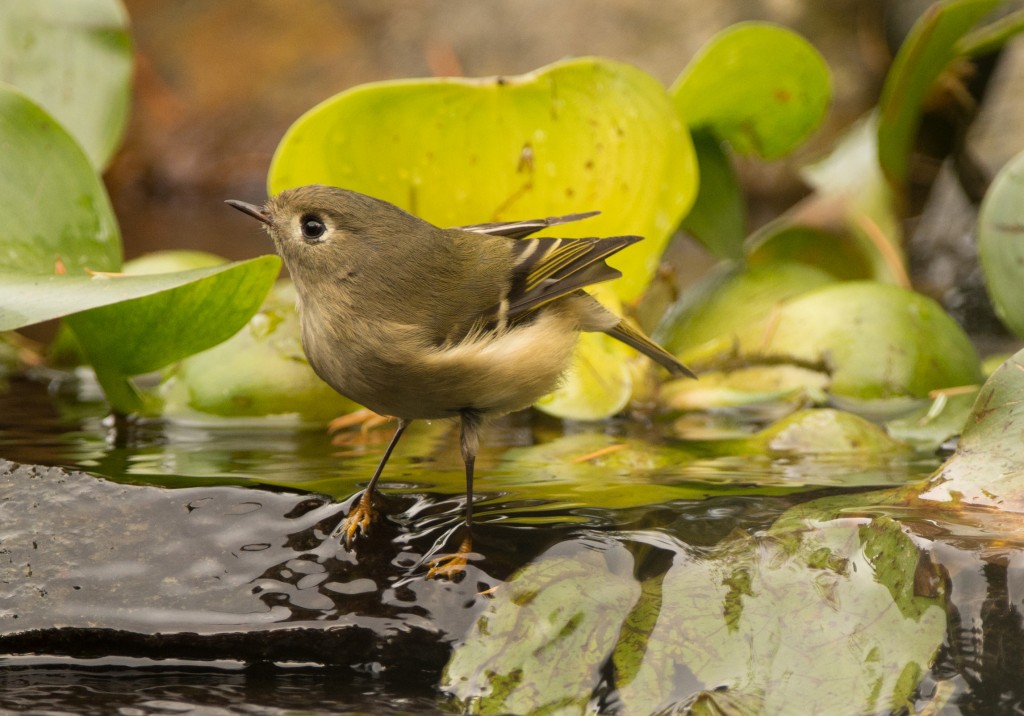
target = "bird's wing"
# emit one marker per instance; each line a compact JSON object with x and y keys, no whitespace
{"x":521,"y":229}
{"x":546,"y":269}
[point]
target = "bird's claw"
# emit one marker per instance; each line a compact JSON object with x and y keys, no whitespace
{"x":450,"y":566}
{"x":358,"y":521}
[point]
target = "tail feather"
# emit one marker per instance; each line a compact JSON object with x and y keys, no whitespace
{"x":633,"y":337}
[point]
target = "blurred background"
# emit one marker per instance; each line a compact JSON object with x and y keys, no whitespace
{"x":218,"y":84}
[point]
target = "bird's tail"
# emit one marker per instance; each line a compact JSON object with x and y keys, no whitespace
{"x":633,"y":337}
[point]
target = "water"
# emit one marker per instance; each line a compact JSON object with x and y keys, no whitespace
{"x":242,"y":603}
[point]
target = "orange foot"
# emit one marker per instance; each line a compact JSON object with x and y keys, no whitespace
{"x":358,"y":520}
{"x":450,"y":566}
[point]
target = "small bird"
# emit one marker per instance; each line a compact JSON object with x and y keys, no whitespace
{"x":419,"y":322}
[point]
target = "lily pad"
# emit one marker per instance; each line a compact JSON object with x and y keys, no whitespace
{"x":73,"y":57}
{"x":1001,"y":243}
{"x":758,"y":86}
{"x":578,"y":135}
{"x":826,"y":432}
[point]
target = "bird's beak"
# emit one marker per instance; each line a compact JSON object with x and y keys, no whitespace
{"x":257,"y":212}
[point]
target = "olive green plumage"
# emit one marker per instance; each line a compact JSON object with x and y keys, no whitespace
{"x":416,"y":321}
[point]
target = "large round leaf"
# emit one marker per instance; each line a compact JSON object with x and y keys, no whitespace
{"x":74,"y":57}
{"x":1001,"y":243}
{"x":580,"y":135}
{"x":56,"y":214}
{"x":875,"y":340}
{"x":760,"y":87}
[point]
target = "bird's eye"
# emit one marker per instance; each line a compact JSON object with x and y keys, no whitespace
{"x":312,"y":228}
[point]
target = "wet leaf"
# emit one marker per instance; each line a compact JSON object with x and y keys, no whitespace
{"x":876,"y":341}
{"x":73,"y":57}
{"x":935,"y":422}
{"x":987,"y":469}
{"x":825,"y":618}
{"x":925,"y":54}
{"x":1001,"y":243}
{"x":760,"y":87}
{"x":787,"y":386}
{"x":826,"y":432}
{"x":260,"y":370}
{"x":577,"y":135}
{"x":43,"y":166}
{"x":541,"y":643}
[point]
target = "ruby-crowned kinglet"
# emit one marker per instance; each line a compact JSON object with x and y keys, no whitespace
{"x":414,"y":321}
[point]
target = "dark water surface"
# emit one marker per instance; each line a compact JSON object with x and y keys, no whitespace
{"x":198,"y":574}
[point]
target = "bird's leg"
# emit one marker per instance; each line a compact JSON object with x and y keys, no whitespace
{"x":451,"y":565}
{"x":362,"y":515}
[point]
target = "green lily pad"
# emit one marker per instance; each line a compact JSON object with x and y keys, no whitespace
{"x":57,"y":216}
{"x":261,"y":370}
{"x":876,"y":341}
{"x":1001,"y":243}
{"x":929,"y":48}
{"x":73,"y":57}
{"x":758,"y":86}
{"x":578,"y":135}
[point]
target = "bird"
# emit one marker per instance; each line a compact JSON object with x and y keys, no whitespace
{"x":419,"y":322}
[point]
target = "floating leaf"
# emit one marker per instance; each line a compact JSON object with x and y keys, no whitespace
{"x":578,"y":135}
{"x":56,"y":212}
{"x":1001,"y":243}
{"x":932,"y":424}
{"x":927,"y":51}
{"x":73,"y":57}
{"x":760,"y":87}
{"x":731,"y":297}
{"x":988,"y":467}
{"x":826,"y":432}
{"x":876,"y":341}
{"x":540,"y":645}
